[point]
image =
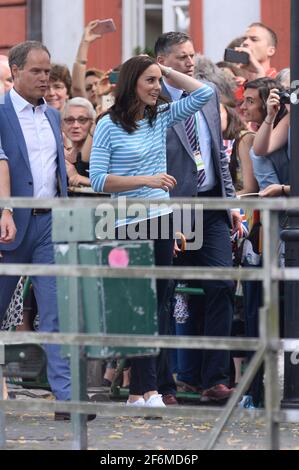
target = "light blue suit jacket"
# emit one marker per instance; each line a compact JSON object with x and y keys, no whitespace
{"x":14,"y":147}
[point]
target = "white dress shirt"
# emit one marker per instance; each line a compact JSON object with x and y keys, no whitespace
{"x":41,"y":145}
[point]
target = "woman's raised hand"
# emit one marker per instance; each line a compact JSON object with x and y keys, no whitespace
{"x":273,"y":104}
{"x":88,"y":35}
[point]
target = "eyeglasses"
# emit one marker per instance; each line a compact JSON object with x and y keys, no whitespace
{"x":70,"y":121}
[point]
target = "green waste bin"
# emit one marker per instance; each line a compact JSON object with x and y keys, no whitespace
{"x":109,"y":305}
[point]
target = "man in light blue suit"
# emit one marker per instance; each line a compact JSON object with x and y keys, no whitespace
{"x":32,"y":142}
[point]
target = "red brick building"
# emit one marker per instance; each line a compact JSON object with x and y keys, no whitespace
{"x":212,"y":25}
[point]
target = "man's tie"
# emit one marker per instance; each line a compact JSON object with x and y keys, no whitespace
{"x":191,"y":134}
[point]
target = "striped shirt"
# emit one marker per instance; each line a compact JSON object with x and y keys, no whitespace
{"x":141,"y":153}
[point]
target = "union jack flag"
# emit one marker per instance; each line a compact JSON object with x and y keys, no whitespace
{"x":243,"y":230}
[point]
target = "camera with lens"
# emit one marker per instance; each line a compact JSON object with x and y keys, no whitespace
{"x":284,"y":97}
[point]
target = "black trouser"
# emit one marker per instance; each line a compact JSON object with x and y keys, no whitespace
{"x":144,"y":369}
{"x":216,"y":251}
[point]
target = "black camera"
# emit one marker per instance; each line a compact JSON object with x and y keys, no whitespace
{"x":284,"y":97}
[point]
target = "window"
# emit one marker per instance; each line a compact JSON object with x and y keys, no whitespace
{"x":145,"y":20}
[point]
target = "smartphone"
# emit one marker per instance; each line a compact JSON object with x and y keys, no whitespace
{"x":238,"y":57}
{"x":107,"y":101}
{"x":113,"y":77}
{"x":104,"y":27}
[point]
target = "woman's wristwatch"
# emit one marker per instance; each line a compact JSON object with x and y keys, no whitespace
{"x":167,"y":71}
{"x":10,"y":209}
{"x":283,"y":191}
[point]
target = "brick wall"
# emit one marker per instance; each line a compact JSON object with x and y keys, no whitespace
{"x":12,"y":23}
{"x":105,"y":53}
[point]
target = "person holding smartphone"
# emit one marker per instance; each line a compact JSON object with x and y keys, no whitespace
{"x":260,"y":43}
{"x":128,"y":158}
{"x":87,"y":83}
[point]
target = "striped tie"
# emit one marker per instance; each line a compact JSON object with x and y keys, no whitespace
{"x":190,"y":131}
{"x":191,"y":134}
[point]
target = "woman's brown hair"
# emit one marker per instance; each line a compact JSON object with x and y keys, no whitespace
{"x":234,"y":123}
{"x":127,"y":105}
{"x":61,"y":73}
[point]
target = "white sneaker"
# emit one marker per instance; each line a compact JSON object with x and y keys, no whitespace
{"x":139,"y":402}
{"x":154,"y":401}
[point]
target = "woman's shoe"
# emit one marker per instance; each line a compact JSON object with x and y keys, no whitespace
{"x":139,"y":402}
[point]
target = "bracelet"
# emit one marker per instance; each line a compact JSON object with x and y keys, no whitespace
{"x":81,"y":61}
{"x":283,"y":192}
{"x":167,"y":71}
{"x":10,"y":209}
{"x":269,"y":123}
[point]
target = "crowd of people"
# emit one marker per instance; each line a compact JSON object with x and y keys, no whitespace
{"x":175,"y":125}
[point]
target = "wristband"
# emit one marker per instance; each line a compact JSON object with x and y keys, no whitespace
{"x":269,"y":123}
{"x":167,"y":71}
{"x":81,"y":61}
{"x":10,"y":209}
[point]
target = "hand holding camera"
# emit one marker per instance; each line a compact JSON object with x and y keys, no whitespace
{"x":273,"y":104}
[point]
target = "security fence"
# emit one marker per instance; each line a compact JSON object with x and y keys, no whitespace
{"x":266,"y":347}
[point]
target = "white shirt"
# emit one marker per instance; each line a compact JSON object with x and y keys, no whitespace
{"x":41,"y":145}
{"x":204,"y":137}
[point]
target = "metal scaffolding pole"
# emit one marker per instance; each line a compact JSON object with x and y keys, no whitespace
{"x":291,"y":234}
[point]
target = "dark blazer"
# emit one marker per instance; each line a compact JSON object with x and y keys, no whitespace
{"x":180,"y":161}
{"x":14,"y":147}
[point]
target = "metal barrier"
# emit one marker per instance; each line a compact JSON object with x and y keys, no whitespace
{"x":266,"y":347}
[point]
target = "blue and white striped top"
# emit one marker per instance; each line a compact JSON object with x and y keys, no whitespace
{"x":141,"y":153}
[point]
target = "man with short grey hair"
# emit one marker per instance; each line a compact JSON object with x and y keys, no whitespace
{"x":32,"y":142}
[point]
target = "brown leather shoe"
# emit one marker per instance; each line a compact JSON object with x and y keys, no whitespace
{"x":217,"y":393}
{"x":169,"y":400}
{"x":64,"y":416}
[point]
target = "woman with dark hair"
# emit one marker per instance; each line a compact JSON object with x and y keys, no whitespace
{"x":128,"y":158}
{"x":60,"y":86}
{"x":235,"y":131}
{"x":272,"y":169}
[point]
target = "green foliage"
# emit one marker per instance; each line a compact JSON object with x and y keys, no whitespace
{"x":147,"y":50}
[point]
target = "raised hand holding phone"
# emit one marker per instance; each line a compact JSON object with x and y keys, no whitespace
{"x":104,"y":26}
{"x":90,"y":35}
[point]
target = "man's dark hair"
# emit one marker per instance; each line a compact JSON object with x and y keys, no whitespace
{"x":165,"y":42}
{"x":273,"y":35}
{"x":94,"y":73}
{"x":264,"y":85}
{"x":19,"y":53}
{"x":237,"y":42}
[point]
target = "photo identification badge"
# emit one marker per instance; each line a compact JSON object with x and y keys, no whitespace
{"x":198,"y":160}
